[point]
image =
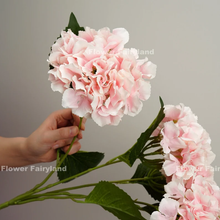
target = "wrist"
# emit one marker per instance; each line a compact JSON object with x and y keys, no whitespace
{"x":27,"y":155}
{"x":13,"y":150}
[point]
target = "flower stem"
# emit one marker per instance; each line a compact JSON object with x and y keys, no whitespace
{"x":4,"y":205}
{"x":146,"y":204}
{"x":149,"y":146}
{"x":75,"y":176}
{"x":36,"y":189}
{"x":153,"y":153}
{"x":32,"y":195}
{"x":32,"y":191}
{"x":41,"y":199}
{"x":59,"y":163}
{"x":78,"y":196}
{"x":125,"y":181}
{"x":61,"y":193}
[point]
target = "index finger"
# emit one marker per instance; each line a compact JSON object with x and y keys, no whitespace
{"x":63,"y":117}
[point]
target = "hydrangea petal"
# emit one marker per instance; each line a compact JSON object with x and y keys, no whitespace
{"x":77,"y":101}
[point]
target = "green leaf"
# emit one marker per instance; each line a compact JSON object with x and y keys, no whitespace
{"x":78,"y":162}
{"x":114,"y":200}
{"x":74,"y":25}
{"x":133,"y":153}
{"x":155,"y":185}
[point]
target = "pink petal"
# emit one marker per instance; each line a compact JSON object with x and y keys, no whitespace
{"x":100,"y":120}
{"x":144,"y":89}
{"x":171,"y":112}
{"x":133,"y":105}
{"x":78,"y":85}
{"x":158,"y":216}
{"x":77,"y":101}
{"x":123,"y":33}
{"x":149,"y":70}
{"x":56,"y":83}
{"x":169,"y":207}
{"x":88,"y":34}
{"x":175,"y":189}
{"x":170,"y":167}
{"x":79,"y":46}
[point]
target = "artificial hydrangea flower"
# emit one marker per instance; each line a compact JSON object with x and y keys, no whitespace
{"x":98,"y":76}
{"x":187,"y":167}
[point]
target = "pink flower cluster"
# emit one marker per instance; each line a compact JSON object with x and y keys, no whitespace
{"x":191,"y":192}
{"x":98,"y":76}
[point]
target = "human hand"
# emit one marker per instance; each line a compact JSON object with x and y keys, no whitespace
{"x":57,"y":131}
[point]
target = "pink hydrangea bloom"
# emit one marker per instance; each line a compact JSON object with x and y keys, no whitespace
{"x":201,"y":201}
{"x":187,"y":166}
{"x":98,"y":76}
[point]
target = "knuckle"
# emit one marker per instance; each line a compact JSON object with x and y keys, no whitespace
{"x":45,"y":138}
{"x":63,"y":133}
{"x":74,"y":131}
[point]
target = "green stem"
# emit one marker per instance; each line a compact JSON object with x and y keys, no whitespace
{"x":125,"y":181}
{"x":36,"y":188}
{"x":112,"y":160}
{"x":59,"y":194}
{"x":152,"y":161}
{"x":60,"y":162}
{"x":29,"y":195}
{"x":62,"y":194}
{"x":75,"y":176}
{"x":77,"y":196}
{"x":5,"y":205}
{"x":66,"y":154}
{"x":152,"y":138}
{"x":42,"y":199}
{"x":143,"y":203}
{"x":147,"y":147}
{"x":32,"y":191}
{"x":152,"y":153}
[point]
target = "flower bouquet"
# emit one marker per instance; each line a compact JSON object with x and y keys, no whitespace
{"x":101,"y":79}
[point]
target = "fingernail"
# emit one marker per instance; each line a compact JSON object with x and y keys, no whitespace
{"x":74,"y":131}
